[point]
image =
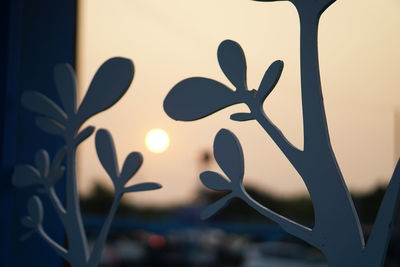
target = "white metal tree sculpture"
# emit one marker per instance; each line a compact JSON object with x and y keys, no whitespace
{"x":109,"y":84}
{"x":337,"y":230}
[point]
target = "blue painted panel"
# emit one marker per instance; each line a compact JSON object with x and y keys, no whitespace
{"x":35,"y":36}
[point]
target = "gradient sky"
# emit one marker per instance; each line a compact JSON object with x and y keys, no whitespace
{"x":359,"y":44}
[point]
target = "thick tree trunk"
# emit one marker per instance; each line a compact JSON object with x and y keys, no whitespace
{"x":337,"y":227}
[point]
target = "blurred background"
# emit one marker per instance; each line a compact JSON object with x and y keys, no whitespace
{"x":169,"y":41}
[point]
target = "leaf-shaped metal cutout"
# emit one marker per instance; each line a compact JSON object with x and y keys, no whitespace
{"x":64,"y":78}
{"x":214,"y":208}
{"x":242,"y":117}
{"x":59,"y":157}
{"x":27,"y":222}
{"x":106,"y":152}
{"x":84,"y":134}
{"x":215,"y":181}
{"x":142,"y":187}
{"x":57,"y":171}
{"x":50,"y":126}
{"x":232,"y":61}
{"x":229,"y":155}
{"x":42,"y":161}
{"x":131,"y":165}
{"x":25,"y":175}
{"x":109,"y":84}
{"x":197,"y":97}
{"x":35,"y":209}
{"x":41,"y":104}
{"x":270,"y":79}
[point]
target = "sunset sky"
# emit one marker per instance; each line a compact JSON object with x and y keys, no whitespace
{"x":168,"y":41}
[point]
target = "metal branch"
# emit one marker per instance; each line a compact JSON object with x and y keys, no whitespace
{"x":55,"y":201}
{"x":101,"y":239}
{"x":290,"y":151}
{"x":76,"y":234}
{"x":288,"y":225}
{"x":57,"y":248}
{"x":316,"y":164}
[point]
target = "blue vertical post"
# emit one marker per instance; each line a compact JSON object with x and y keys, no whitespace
{"x":34,"y":36}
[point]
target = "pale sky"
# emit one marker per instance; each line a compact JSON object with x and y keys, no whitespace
{"x":168,"y":41}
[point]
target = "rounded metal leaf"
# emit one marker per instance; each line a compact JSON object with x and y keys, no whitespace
{"x":229,"y":155}
{"x":27,"y":222}
{"x":109,"y":84}
{"x":41,"y":104}
{"x":232,"y":60}
{"x":50,"y":126}
{"x":215,"y":181}
{"x":270,"y":79}
{"x":242,"y":117}
{"x":106,"y":152}
{"x":64,"y":78}
{"x":197,"y":97}
{"x":25,"y":175}
{"x":59,"y":157}
{"x":42,"y":161}
{"x":142,"y":187}
{"x":84,"y":134}
{"x":131,"y":165}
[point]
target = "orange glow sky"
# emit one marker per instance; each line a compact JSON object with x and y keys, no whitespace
{"x":359,"y":42}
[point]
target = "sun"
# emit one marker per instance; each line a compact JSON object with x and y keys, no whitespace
{"x":157,"y":140}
